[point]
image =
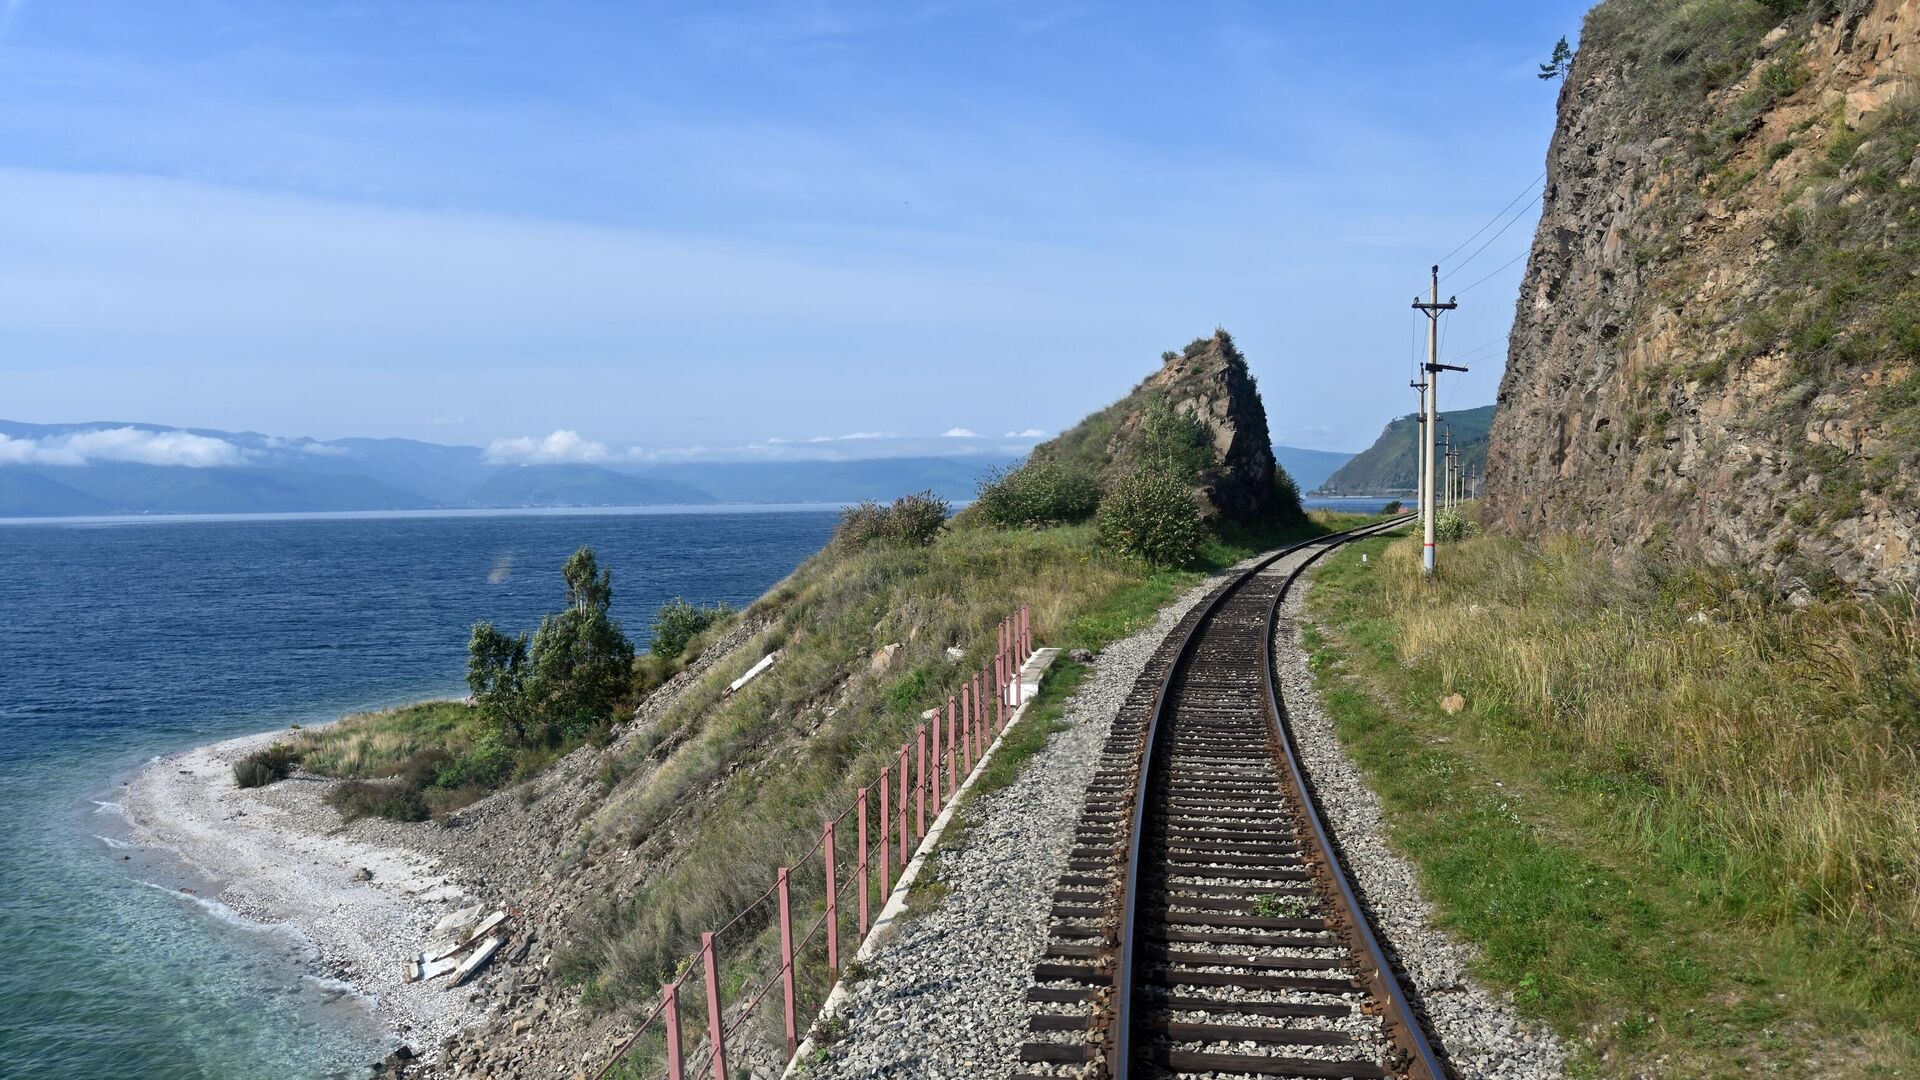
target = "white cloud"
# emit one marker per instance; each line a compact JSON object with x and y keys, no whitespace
{"x":561,"y":446}
{"x":122,"y":444}
{"x":320,"y":449}
{"x":852,"y":435}
{"x":1030,"y":433}
{"x":33,"y":452}
{"x":959,"y":433}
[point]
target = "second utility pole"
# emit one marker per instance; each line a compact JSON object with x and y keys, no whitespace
{"x":1433,"y":308}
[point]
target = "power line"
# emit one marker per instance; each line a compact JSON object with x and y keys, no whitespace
{"x":1518,"y":214}
{"x":1494,"y":218}
{"x":1496,"y":270}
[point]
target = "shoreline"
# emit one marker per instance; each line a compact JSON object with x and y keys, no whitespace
{"x":279,"y":858}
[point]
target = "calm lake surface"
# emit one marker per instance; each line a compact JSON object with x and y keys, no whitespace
{"x":120,"y":641}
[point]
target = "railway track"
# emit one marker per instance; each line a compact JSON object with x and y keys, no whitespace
{"x":1204,"y":925}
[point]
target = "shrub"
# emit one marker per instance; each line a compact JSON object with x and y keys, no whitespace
{"x":1151,"y":516}
{"x":912,"y":521}
{"x":395,"y":800}
{"x":1175,"y":442}
{"x":1392,"y":507}
{"x":1452,"y":526}
{"x":1038,"y":493}
{"x":263,"y":767}
{"x":677,"y":623}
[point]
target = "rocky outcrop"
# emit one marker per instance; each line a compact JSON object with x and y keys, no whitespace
{"x":1714,"y":348}
{"x":1208,"y":380}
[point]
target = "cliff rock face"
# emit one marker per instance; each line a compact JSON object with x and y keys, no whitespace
{"x":1716,"y":341}
{"x":1208,"y":380}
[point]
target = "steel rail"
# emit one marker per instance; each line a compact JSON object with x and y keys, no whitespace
{"x":1421,"y":1063}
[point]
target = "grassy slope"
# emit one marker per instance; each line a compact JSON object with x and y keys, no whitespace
{"x":1390,"y":465}
{"x":1691,"y":844}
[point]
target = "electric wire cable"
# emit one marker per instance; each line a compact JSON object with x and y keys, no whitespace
{"x":1503,"y":212}
{"x":1496,"y":270}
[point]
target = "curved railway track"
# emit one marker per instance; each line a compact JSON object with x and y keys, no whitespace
{"x":1205,"y":925}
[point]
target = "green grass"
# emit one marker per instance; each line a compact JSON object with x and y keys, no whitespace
{"x":1689,"y":845}
{"x":416,"y":761}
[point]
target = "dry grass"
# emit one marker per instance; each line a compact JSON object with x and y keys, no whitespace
{"x":1783,"y":738}
{"x":376,"y":745}
{"x":1677,"y":815}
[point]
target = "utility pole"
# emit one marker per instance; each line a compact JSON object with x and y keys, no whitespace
{"x":1420,"y":448}
{"x":1446,"y":469}
{"x":1433,"y":307}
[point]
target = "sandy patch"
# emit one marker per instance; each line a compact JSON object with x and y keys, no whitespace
{"x":282,"y":857}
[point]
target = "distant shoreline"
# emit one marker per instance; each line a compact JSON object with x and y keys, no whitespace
{"x":461,"y":512}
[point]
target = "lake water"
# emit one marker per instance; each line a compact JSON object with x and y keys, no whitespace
{"x":122,"y":641}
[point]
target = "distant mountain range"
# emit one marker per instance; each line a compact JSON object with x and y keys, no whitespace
{"x":1390,"y":466}
{"x":108,"y":467}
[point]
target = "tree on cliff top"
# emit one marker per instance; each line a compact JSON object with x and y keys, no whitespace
{"x":1560,"y":62}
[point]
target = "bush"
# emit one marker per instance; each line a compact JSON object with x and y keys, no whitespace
{"x":912,"y":521}
{"x":395,"y":800}
{"x":1151,"y":516}
{"x":1392,"y":507}
{"x":677,"y":623}
{"x":1452,"y":526}
{"x":1175,"y":442}
{"x":1036,"y":494}
{"x":263,"y":767}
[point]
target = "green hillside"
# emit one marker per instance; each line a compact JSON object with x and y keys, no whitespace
{"x":1388,"y":467}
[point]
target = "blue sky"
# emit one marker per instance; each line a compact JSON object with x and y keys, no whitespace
{"x":741,"y":227}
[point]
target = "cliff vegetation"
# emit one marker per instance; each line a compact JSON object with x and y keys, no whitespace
{"x":1716,"y":343}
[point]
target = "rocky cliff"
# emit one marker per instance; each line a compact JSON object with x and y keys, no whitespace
{"x":1207,"y":380}
{"x":1716,"y":342}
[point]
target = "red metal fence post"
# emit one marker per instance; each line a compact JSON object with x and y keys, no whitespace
{"x":886,"y":846}
{"x":953,"y":756}
{"x":920,"y":788}
{"x":903,"y":806}
{"x":966,"y":727}
{"x":675,"y":1071}
{"x":833,"y":900}
{"x":937,"y":759}
{"x":860,"y":864}
{"x":716,"y":1018}
{"x":980,"y":683}
{"x":786,"y":963}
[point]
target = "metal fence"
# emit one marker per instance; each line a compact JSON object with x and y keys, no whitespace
{"x":890,"y":826}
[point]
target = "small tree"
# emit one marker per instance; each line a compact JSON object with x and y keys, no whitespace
{"x":497,"y":676}
{"x":1150,"y":515}
{"x":677,"y":623}
{"x":1560,"y":63}
{"x":1174,"y":442}
{"x":581,"y":662}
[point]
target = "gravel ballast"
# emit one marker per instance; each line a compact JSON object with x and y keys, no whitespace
{"x":946,"y":995}
{"x":1479,"y":1030}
